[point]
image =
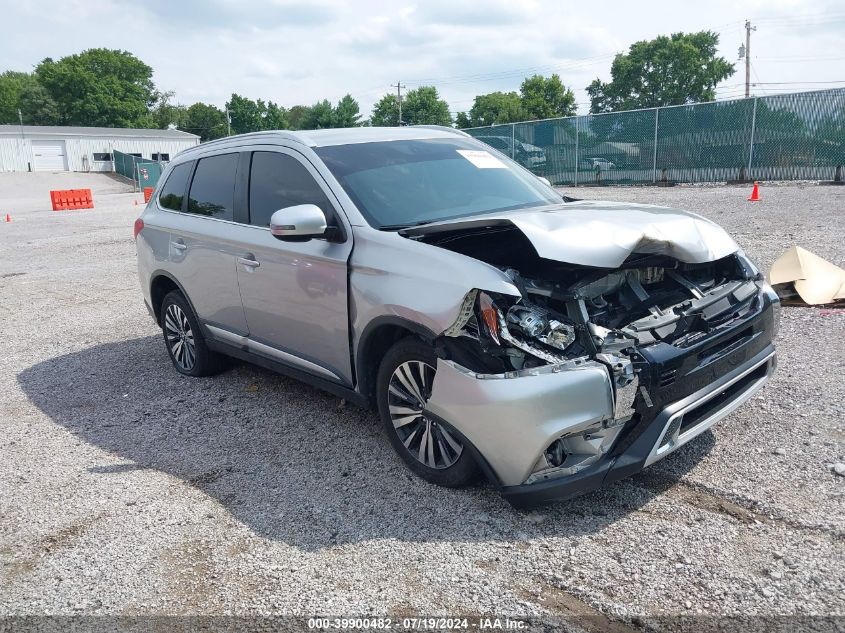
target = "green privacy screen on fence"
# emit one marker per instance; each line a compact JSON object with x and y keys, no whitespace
{"x":779,"y":137}
{"x":143,"y":173}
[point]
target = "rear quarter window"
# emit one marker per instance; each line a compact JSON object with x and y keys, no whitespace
{"x":173,"y":191}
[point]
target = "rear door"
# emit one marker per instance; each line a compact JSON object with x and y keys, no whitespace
{"x":204,"y":241}
{"x":295,"y":293}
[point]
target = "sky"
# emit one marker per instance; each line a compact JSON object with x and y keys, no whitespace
{"x":300,"y":52}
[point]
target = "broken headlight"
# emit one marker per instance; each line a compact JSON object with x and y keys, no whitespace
{"x":536,"y":323}
{"x":529,"y":328}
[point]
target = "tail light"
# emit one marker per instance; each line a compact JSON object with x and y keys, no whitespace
{"x":139,"y":226}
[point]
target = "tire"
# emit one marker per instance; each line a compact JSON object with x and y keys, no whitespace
{"x":445,"y":460}
{"x":184,"y":340}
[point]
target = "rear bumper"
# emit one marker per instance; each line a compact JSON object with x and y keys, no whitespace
{"x":675,"y":425}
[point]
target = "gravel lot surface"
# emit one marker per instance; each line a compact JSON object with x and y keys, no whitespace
{"x":128,"y":489}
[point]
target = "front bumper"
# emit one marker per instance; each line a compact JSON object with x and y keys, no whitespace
{"x":674,"y":426}
{"x":511,"y":419}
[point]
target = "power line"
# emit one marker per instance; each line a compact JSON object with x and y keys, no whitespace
{"x":802,"y":20}
{"x":797,"y":83}
{"x":757,"y":77}
{"x":505,"y":74}
{"x":797,"y":59}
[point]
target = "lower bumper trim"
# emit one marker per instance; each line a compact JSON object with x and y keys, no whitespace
{"x":643,"y":451}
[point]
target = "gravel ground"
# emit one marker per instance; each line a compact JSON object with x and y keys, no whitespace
{"x":128,"y":489}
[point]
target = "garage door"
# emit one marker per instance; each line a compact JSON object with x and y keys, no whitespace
{"x":49,"y":155}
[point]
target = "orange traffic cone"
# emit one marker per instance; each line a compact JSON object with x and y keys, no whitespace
{"x":8,"y":218}
{"x":755,"y":193}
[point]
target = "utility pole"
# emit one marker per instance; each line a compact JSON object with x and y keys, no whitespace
{"x":398,"y":85}
{"x":228,"y":123}
{"x":748,"y":29}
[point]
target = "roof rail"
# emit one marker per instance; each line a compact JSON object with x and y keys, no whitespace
{"x":442,"y":128}
{"x":246,"y":136}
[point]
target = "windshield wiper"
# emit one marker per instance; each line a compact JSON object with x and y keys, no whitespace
{"x":399,"y":227}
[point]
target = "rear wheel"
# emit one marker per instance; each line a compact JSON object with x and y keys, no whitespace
{"x":430,"y":449}
{"x":183,"y":338}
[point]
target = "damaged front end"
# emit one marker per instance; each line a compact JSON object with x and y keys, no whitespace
{"x":573,"y":382}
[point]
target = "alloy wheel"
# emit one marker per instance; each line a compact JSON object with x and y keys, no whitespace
{"x":180,"y":337}
{"x":428,"y":441}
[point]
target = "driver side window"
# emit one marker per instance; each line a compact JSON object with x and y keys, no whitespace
{"x":277,"y":181}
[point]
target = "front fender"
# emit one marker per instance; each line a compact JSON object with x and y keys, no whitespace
{"x":393,"y":276}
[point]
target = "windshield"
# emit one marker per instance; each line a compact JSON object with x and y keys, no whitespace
{"x":402,"y":183}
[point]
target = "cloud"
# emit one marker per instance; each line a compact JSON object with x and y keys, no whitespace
{"x":232,"y":14}
{"x":300,"y":52}
{"x":472,"y":14}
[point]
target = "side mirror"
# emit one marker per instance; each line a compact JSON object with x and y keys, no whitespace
{"x":299,"y":222}
{"x":545,"y":181}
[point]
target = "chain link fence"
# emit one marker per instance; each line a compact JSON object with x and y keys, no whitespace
{"x":799,"y":136}
{"x":142,"y":172}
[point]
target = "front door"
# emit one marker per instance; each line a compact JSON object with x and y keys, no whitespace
{"x":294,"y":293}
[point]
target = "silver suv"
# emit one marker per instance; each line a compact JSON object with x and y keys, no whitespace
{"x":499,"y":328}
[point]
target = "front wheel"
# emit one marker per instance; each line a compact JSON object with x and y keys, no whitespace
{"x":183,"y":338}
{"x":403,"y":387}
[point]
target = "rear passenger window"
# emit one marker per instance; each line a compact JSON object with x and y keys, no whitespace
{"x":173,"y":190}
{"x":277,"y":181}
{"x":213,"y":187}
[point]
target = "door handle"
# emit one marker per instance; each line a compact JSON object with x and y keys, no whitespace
{"x":249,"y":262}
{"x":180,"y":245}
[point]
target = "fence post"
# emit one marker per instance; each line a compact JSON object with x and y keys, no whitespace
{"x":513,"y":141}
{"x":576,"y":151}
{"x":753,"y":127}
{"x":654,"y":162}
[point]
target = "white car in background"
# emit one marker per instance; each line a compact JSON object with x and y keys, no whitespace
{"x":601,"y":164}
{"x":525,"y":154}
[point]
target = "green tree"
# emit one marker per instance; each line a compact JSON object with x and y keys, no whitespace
{"x":99,"y":86}
{"x":37,"y":106}
{"x":347,"y":113}
{"x":421,"y":106}
{"x":275,"y":117}
{"x":165,"y":113}
{"x":675,"y":70}
{"x":22,"y":91}
{"x":207,"y":121}
{"x":319,"y":116}
{"x":323,"y":115}
{"x":246,"y":115}
{"x":296,"y":115}
{"x":496,"y":108}
{"x":545,"y":98}
{"x":385,"y":112}
{"x":254,"y":116}
{"x":462,"y":120}
{"x":12,"y":84}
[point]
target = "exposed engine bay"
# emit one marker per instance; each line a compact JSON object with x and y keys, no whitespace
{"x":572,"y":311}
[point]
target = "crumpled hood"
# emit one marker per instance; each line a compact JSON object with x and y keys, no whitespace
{"x":604,"y":234}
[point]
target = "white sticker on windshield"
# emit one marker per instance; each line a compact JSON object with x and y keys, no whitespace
{"x":482,"y":159}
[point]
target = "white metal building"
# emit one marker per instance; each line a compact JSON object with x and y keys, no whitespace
{"x":56,"y":148}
